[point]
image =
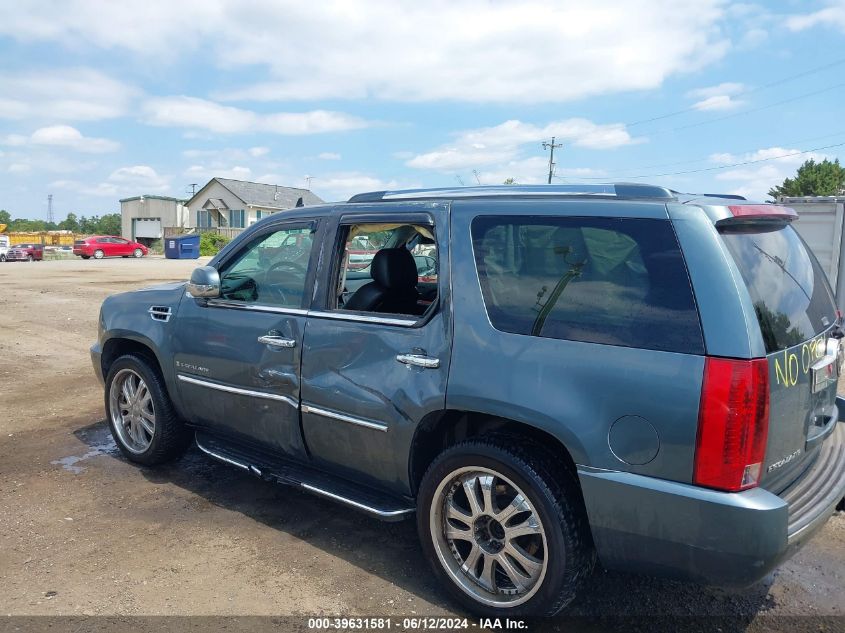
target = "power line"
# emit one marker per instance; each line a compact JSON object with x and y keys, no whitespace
{"x":717,"y":167}
{"x":750,"y":110}
{"x":744,"y":93}
{"x":748,"y":151}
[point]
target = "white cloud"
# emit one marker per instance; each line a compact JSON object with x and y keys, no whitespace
{"x":75,"y":94}
{"x":831,"y":16}
{"x":130,"y":180}
{"x":463,"y":50}
{"x":62,"y":136}
{"x":18,"y":168}
{"x":191,"y":112}
{"x":720,"y":97}
{"x":67,"y":136}
{"x":207,"y":172}
{"x":504,"y":142}
{"x":328,"y":156}
{"x":255,"y":152}
{"x":719,"y":102}
{"x":342,"y":185}
{"x":754,"y":181}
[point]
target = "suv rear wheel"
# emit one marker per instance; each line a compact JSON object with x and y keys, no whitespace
{"x":141,"y":416}
{"x":504,"y":527}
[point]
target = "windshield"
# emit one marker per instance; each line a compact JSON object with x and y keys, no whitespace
{"x":790,"y":292}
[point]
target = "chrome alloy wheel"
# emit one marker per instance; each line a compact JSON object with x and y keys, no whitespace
{"x":488,"y":536}
{"x":132,"y":411}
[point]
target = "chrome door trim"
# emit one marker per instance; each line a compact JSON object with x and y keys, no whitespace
{"x":238,"y":305}
{"x":340,"y":316}
{"x":238,"y":390}
{"x":356,"y":504}
{"x":325,"y":413}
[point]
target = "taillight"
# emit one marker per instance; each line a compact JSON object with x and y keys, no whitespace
{"x":733,"y":424}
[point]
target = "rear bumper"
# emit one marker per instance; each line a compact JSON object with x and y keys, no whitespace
{"x":678,"y":530}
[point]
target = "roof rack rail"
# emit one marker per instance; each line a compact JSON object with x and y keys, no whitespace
{"x":615,"y":190}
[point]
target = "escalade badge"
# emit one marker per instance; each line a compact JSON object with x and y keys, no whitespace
{"x":783,"y":461}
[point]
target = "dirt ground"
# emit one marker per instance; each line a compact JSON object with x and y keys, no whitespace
{"x":82,"y":531}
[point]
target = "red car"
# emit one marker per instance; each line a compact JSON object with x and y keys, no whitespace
{"x":99,"y":246}
{"x":25,"y":253}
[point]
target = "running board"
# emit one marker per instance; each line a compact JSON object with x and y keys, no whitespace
{"x":273,"y":468}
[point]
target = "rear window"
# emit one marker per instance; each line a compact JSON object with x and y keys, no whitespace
{"x":790,"y":292}
{"x":598,"y":280}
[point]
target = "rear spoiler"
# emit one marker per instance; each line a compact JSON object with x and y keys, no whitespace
{"x":758,"y":212}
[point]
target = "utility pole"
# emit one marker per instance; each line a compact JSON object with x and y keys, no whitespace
{"x":551,"y":147}
{"x":50,"y":207}
{"x":460,"y":182}
{"x":477,"y":179}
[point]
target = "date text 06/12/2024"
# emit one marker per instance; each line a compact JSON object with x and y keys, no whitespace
{"x":415,"y":623}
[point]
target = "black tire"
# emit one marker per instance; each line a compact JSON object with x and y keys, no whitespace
{"x":171,"y":437}
{"x":99,"y":254}
{"x":554,"y":493}
{"x":30,"y":258}
{"x":85,"y":256}
{"x":137,"y":253}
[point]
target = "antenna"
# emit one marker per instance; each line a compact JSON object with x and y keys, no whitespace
{"x":477,"y":179}
{"x":308,"y":180}
{"x":193,"y":187}
{"x":50,"y":207}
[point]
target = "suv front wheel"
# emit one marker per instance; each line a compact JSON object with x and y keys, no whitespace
{"x":142,"y":418}
{"x":504,"y":527}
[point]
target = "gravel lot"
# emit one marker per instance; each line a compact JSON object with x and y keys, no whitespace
{"x":84,"y":532}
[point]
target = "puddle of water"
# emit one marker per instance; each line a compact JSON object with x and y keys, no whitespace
{"x":70,"y":462}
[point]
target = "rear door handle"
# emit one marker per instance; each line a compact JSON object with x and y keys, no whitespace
{"x":277,"y":341}
{"x":419,"y":360}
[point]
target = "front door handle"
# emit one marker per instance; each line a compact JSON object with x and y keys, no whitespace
{"x":277,"y":341}
{"x":419,"y":360}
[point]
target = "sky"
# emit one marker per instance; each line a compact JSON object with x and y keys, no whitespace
{"x":105,"y":100}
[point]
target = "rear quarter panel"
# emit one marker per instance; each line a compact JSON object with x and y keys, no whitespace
{"x":573,"y":390}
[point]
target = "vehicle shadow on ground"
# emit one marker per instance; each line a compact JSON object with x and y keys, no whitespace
{"x":391,"y":550}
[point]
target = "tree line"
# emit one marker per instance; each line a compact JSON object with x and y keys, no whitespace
{"x":108,"y":224}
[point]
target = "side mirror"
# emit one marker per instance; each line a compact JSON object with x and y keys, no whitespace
{"x":204,"y":283}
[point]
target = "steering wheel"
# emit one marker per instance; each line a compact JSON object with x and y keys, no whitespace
{"x":292,"y":270}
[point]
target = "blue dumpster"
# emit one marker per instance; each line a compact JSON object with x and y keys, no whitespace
{"x":182,"y":247}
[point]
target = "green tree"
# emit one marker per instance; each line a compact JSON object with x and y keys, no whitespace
{"x":109,"y":224}
{"x":509,"y":181}
{"x":5,"y":216}
{"x":813,"y":179}
{"x":70,"y":223}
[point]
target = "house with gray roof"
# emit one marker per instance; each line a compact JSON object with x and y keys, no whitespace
{"x":236,"y":204}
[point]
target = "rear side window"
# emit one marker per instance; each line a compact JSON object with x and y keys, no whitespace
{"x":598,"y":280}
{"x":790,"y":292}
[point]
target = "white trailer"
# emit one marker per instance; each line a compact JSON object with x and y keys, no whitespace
{"x":820,"y":223}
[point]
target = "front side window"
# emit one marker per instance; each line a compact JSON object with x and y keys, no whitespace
{"x":598,"y":280}
{"x":270,"y":270}
{"x":387,"y":268}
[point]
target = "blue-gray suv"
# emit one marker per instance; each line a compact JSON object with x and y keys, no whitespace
{"x":617,"y":372}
